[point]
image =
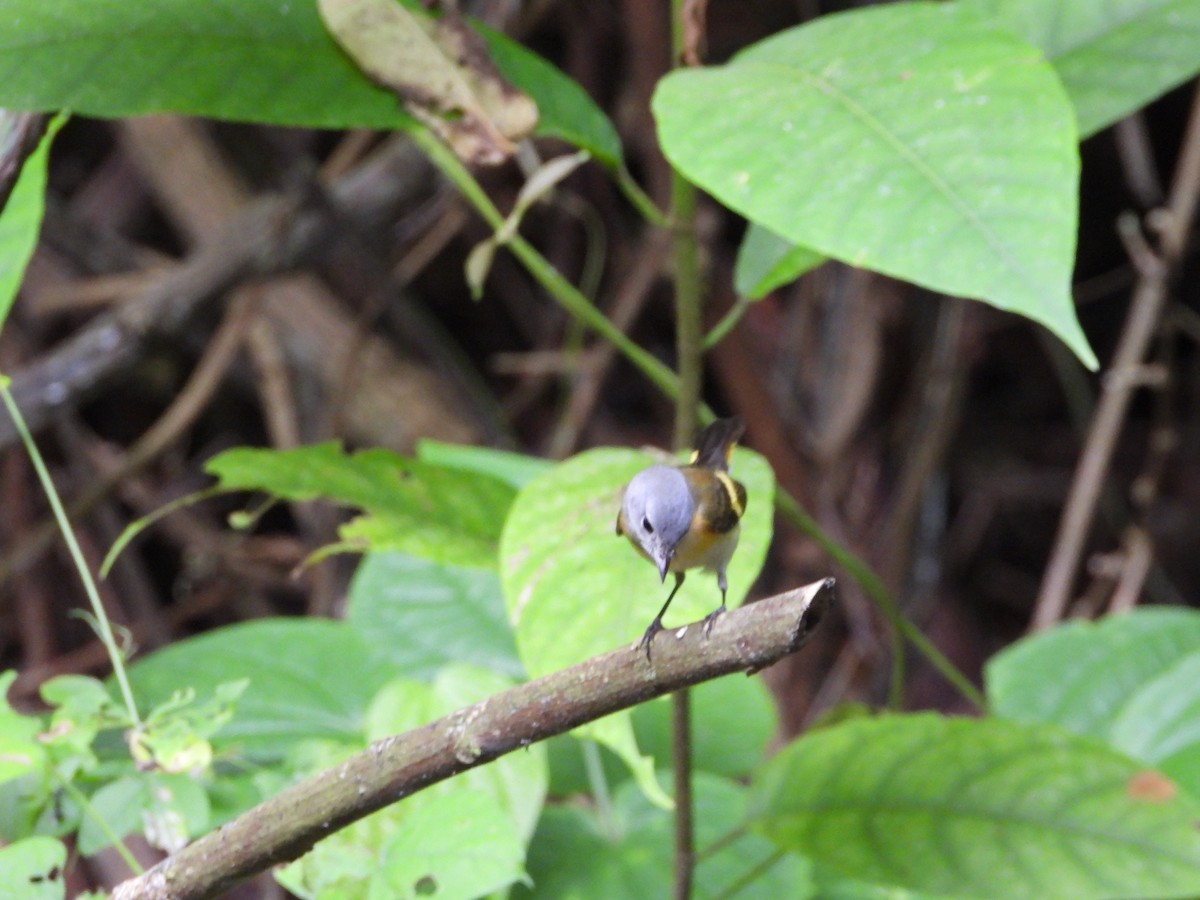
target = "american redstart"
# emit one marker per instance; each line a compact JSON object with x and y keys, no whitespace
{"x":681,"y":517}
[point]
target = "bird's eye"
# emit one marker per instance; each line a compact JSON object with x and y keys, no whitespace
{"x":646,"y":526}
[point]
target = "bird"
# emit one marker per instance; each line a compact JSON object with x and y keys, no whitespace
{"x":684,"y":517}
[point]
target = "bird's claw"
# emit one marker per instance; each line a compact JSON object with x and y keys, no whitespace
{"x":648,"y":637}
{"x":712,"y":617}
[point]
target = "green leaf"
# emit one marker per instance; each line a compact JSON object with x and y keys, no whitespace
{"x":309,"y":678}
{"x":946,"y":155}
{"x":630,"y":857}
{"x":256,"y":60}
{"x":833,"y":886}
{"x":21,"y":220}
{"x":32,"y":869}
{"x":766,"y":261}
{"x":734,"y":720}
{"x":1163,"y":717}
{"x":1183,"y":768}
{"x":446,"y":515}
{"x":20,"y":751}
{"x":515,"y":469}
{"x":985,"y":808}
{"x":1112,"y":57}
{"x":420,"y":616}
{"x":457,"y":845}
{"x":167,"y":808}
{"x":564,"y":108}
{"x":1082,"y":675}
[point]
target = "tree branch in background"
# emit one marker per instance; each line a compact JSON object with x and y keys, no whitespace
{"x":1155,"y":274}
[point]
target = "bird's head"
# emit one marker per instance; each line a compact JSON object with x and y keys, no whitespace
{"x":656,"y":513}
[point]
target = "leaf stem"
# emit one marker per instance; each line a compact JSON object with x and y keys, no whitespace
{"x":562,"y":291}
{"x":878,"y":593}
{"x":103,"y":627}
{"x":90,"y":811}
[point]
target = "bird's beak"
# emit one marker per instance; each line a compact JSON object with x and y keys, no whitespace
{"x":662,"y":560}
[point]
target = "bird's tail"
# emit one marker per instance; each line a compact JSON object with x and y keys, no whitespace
{"x":715,"y":443}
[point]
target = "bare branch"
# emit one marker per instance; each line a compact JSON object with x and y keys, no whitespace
{"x":286,"y":826}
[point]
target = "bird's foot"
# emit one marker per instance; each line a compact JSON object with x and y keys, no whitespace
{"x":712,"y":617}
{"x":648,"y":637}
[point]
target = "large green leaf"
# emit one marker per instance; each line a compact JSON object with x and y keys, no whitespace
{"x":451,"y":516}
{"x":1130,"y":680}
{"x":983,"y":808}
{"x":916,"y":139}
{"x":1082,"y":675}
{"x":420,"y":615}
{"x":515,"y":469}
{"x":1163,"y":717}
{"x":1112,"y":56}
{"x":253,"y":60}
{"x":309,"y":678}
{"x":630,"y":855}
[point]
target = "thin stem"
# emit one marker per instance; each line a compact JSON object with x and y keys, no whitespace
{"x":879,"y":595}
{"x":1149,"y":299}
{"x":681,"y":772}
{"x":89,"y":810}
{"x":689,"y":329}
{"x":689,"y":350}
{"x":641,"y":201}
{"x":103,"y":627}
{"x":727,"y":323}
{"x":562,"y":291}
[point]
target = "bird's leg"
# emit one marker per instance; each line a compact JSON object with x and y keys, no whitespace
{"x":656,"y":625}
{"x":712,"y":616}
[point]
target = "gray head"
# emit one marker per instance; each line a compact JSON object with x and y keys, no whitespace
{"x":657,"y":510}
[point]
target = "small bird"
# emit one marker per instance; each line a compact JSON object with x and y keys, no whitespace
{"x":681,"y":517}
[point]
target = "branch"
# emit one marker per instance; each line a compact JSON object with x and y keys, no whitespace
{"x":273,"y":234}
{"x":1149,"y":298}
{"x":287,"y":825}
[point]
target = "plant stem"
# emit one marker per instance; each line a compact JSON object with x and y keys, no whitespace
{"x":70,"y":789}
{"x":879,"y":595}
{"x":727,"y":323}
{"x":565,"y":293}
{"x":103,"y":628}
{"x":689,"y":333}
{"x":681,"y":772}
{"x":689,"y":351}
